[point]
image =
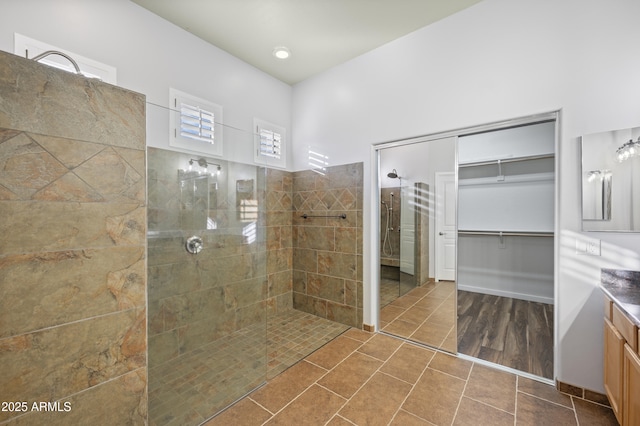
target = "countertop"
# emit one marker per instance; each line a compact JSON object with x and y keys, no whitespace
{"x":623,"y":287}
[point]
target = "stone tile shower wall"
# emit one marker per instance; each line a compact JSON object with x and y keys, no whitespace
{"x":196,"y":299}
{"x":72,"y":252}
{"x":327,"y":252}
{"x":277,"y":218}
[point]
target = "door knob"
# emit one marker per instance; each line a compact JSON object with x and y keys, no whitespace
{"x":440,"y":233}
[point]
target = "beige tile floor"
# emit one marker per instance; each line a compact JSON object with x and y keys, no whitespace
{"x":192,"y":387}
{"x":364,"y":378}
{"x":426,"y":314}
{"x":389,"y":291}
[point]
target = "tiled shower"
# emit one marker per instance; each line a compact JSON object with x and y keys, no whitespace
{"x":238,"y":312}
{"x":103,"y":307}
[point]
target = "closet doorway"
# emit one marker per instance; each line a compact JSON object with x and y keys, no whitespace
{"x":496,"y":301}
{"x":506,"y":223}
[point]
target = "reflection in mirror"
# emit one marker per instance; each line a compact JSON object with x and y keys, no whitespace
{"x":610,"y":166}
{"x":596,"y":195}
{"x":413,"y":305}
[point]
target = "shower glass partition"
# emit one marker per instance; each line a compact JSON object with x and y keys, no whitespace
{"x":207,"y":268}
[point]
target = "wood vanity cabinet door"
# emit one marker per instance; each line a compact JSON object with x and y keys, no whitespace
{"x":631,"y":390}
{"x":613,"y":361}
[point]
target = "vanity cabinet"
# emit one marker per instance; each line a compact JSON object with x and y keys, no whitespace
{"x":613,"y":365}
{"x":621,"y":365}
{"x":631,"y":391}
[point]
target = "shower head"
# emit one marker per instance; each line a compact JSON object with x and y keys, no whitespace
{"x":55,"y":52}
{"x":393,"y":174}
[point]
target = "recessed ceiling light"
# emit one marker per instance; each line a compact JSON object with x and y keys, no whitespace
{"x":281,"y":52}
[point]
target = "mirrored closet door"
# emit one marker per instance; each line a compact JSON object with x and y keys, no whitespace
{"x":417,"y":242}
{"x":481,"y":281}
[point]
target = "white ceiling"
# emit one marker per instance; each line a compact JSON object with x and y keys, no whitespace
{"x":319,"y":33}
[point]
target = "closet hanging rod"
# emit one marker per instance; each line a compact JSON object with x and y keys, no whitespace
{"x":307,"y":216}
{"x":506,"y":160}
{"x":508,"y":234}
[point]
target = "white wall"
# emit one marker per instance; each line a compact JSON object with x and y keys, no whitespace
{"x":498,"y":60}
{"x":151,"y":55}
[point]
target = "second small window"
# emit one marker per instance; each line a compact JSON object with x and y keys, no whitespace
{"x":270,"y":146}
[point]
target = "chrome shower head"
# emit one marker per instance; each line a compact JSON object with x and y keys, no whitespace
{"x":393,"y":174}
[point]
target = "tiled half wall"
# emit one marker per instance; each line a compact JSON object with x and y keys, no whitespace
{"x":72,"y":252}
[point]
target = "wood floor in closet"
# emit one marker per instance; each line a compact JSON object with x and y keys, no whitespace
{"x":511,"y":332}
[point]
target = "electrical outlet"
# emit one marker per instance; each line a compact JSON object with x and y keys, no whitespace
{"x":589,"y":247}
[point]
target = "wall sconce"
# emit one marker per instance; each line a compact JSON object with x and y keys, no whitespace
{"x":598,"y":174}
{"x":205,"y":164}
{"x":628,"y":150}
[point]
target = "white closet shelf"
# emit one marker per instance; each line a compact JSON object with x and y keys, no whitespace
{"x":506,"y":160}
{"x":507,"y":233}
{"x":513,"y":179}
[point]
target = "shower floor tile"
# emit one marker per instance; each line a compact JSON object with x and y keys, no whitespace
{"x":194,"y":386}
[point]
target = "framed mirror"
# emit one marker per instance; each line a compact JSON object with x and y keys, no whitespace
{"x":609,"y":181}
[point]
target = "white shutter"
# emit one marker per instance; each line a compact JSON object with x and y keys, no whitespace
{"x":196,"y":124}
{"x":270,"y":144}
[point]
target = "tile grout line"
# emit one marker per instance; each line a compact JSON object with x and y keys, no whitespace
{"x":413,"y":387}
{"x":466,"y":382}
{"x":366,"y":381}
{"x":316,"y":381}
{"x":551,"y":402}
{"x":414,"y":305}
{"x":575,"y":412}
{"x":369,"y":379}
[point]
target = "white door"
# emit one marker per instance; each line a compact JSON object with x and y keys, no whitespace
{"x":445,"y":244}
{"x":407,"y":229}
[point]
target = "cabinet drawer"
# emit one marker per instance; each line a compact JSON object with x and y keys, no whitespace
{"x":624,"y":325}
{"x":607,"y":308}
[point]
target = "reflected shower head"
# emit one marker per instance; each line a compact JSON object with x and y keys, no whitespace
{"x":393,"y":174}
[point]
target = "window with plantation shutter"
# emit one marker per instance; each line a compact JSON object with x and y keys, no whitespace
{"x":270,"y":144}
{"x":195,"y":124}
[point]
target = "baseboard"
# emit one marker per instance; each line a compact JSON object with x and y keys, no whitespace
{"x":582,"y":393}
{"x":513,"y":295}
{"x":368,"y":327}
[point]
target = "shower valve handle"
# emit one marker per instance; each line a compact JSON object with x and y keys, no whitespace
{"x":194,"y":245}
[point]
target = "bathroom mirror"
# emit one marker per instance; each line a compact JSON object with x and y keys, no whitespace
{"x":609,"y":177}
